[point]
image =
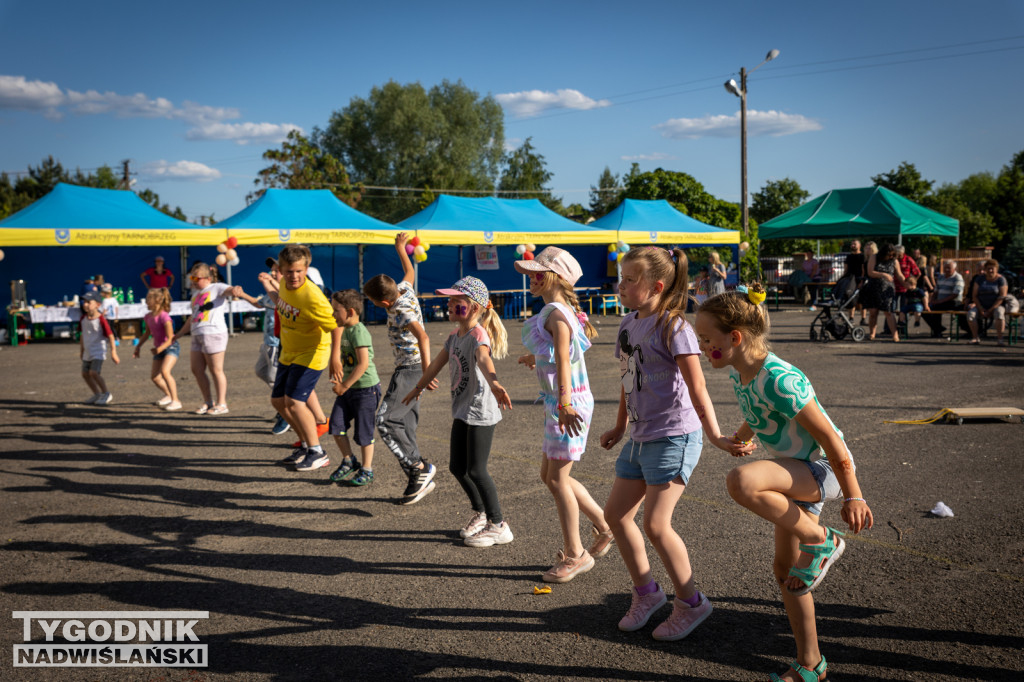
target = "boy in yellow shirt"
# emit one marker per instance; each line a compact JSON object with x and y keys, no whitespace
{"x":310,"y":341}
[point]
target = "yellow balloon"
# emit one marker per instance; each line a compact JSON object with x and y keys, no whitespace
{"x":613,"y":248}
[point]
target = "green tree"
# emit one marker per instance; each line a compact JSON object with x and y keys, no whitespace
{"x":526,"y":176}
{"x":905,"y":181}
{"x":775,"y":198}
{"x":606,"y":195}
{"x":1008,"y":198}
{"x":682,"y":191}
{"x":977,"y":228}
{"x":41,"y":179}
{"x":153,"y":199}
{"x":403,"y":136}
{"x":301,"y":164}
{"x":578,"y":212}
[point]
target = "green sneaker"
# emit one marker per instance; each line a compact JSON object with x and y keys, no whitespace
{"x":348,"y":467}
{"x":362,"y":477}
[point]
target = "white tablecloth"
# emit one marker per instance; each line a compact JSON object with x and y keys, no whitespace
{"x":126,"y":311}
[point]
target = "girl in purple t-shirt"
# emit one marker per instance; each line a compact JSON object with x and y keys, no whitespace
{"x":165,"y":349}
{"x":664,"y":398}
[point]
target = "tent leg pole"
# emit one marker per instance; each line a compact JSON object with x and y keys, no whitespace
{"x":231,"y":312}
{"x":184,"y":262}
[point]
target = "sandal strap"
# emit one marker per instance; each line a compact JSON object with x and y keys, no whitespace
{"x":824,"y":549}
{"x":805,"y":674}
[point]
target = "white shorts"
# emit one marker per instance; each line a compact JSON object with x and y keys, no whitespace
{"x":210,"y":343}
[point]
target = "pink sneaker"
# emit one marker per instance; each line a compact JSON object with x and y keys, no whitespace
{"x":683,"y":620}
{"x":641,"y":610}
{"x":568,"y":567}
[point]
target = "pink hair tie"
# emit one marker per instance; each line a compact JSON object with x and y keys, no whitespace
{"x":582,"y":317}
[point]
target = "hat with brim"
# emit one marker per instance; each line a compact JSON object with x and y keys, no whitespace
{"x":552,"y":259}
{"x":471,"y":287}
{"x":92,"y":296}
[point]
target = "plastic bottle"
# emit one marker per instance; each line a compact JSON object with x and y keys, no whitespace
{"x":131,"y":295}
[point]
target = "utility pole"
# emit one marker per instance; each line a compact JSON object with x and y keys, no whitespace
{"x":126,"y":182}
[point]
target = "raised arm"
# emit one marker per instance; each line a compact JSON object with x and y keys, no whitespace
{"x":408,"y":272}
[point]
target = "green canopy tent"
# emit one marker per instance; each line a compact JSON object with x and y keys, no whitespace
{"x":861,"y":212}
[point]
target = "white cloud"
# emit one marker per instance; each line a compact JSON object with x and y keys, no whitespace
{"x":657,"y":156}
{"x":180,"y":170}
{"x":122,"y":106}
{"x":18,"y":93}
{"x":774,"y":123}
{"x":533,"y":102}
{"x":512,"y":143}
{"x":242,"y":133}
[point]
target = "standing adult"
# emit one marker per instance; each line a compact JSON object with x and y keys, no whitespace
{"x":855,"y":262}
{"x":949,"y":295}
{"x":716,"y":272}
{"x":987,"y":294}
{"x":879,"y":293}
{"x":870,"y":249}
{"x":158,"y":277}
{"x":812,"y":269}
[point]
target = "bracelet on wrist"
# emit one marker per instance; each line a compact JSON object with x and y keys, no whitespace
{"x":736,"y":437}
{"x":855,"y":499}
{"x":562,"y":407}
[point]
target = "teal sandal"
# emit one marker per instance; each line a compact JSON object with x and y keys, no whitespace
{"x":816,"y":675}
{"x":824,"y":555}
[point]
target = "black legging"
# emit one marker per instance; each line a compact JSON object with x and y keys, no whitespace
{"x":470,"y":449}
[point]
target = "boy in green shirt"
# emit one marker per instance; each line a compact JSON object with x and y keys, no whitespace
{"x":358,"y":391}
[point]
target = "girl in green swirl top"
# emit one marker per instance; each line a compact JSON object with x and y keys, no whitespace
{"x":811,"y":462}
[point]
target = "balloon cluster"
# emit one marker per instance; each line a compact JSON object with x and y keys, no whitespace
{"x":617,"y":251}
{"x":227,"y":255}
{"x":417,"y":248}
{"x":526,"y":251}
{"x":744,"y":247}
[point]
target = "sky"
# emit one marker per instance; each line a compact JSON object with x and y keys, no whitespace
{"x":193,"y":93}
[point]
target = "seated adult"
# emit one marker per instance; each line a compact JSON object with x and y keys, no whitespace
{"x":986,"y":301}
{"x":157,"y":277}
{"x":949,"y":295}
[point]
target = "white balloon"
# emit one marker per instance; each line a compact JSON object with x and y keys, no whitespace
{"x":622,"y":246}
{"x":1,"y":254}
{"x":234,"y":261}
{"x":521,"y":249}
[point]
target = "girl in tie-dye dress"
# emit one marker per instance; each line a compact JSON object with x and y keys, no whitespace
{"x":557,"y":339}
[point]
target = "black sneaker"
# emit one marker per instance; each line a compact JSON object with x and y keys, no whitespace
{"x":296,"y":456}
{"x":421,"y":482}
{"x":348,"y":467}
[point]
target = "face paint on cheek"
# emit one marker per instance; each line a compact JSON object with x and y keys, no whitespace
{"x":716,"y":354}
{"x":461,"y":310}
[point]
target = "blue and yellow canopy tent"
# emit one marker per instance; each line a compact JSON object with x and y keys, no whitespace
{"x":639,"y":221}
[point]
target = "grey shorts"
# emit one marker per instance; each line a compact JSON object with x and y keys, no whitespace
{"x":92,"y":366}
{"x":828,"y":486}
{"x":210,"y":343}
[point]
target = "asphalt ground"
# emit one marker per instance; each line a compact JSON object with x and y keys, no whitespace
{"x":129,"y":508}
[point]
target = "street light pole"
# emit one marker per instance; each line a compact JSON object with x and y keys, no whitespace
{"x":740,"y":90}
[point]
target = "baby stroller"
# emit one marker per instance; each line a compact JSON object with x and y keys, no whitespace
{"x":834,"y":321}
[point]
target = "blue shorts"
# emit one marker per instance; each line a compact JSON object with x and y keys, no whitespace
{"x":357,"y":405}
{"x":828,"y":486}
{"x":295,"y":381}
{"x":92,"y":365}
{"x":662,"y":460}
{"x":174,"y":350}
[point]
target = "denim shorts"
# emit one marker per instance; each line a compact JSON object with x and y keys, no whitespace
{"x":357,"y":405}
{"x":662,"y":460}
{"x":828,"y":486}
{"x":295,"y":381}
{"x":173,"y":349}
{"x":92,"y":365}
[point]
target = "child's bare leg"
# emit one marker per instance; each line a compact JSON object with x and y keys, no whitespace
{"x":313,"y":403}
{"x":768,"y":488}
{"x":590,"y":508}
{"x":343,"y":446}
{"x":367,"y":453}
{"x":156,"y":374}
{"x":800,"y":610}
{"x":166,"y":370}
{"x":215,"y":361}
{"x":198,"y":362}
{"x":93,"y":386}
{"x":620,"y":511}
{"x":661,"y":502}
{"x":97,"y":379}
{"x":301,"y":419}
{"x":555,"y":473}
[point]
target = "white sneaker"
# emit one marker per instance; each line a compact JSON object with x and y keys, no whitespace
{"x":163,"y":401}
{"x":492,"y":534}
{"x":173,"y":406}
{"x":104,"y":399}
{"x":475,"y":524}
{"x":92,"y":400}
{"x":219,"y":409}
